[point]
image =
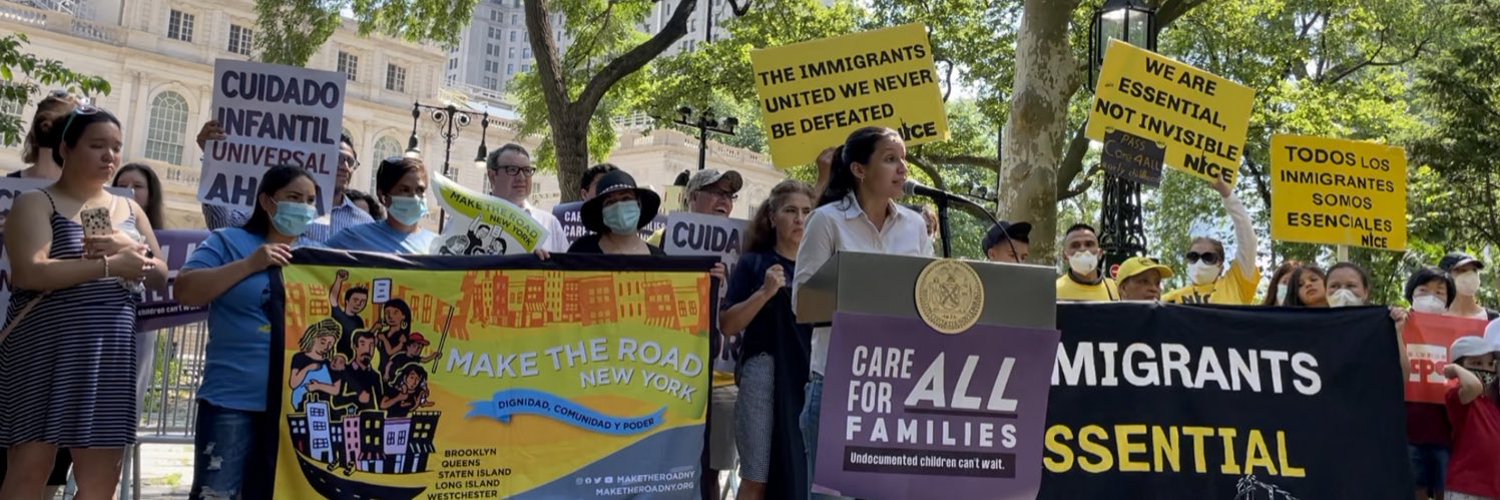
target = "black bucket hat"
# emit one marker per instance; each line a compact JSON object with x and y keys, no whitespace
{"x":593,"y":210}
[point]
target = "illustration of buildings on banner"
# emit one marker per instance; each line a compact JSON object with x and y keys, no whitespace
{"x":367,"y":441}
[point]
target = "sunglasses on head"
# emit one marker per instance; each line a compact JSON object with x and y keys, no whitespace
{"x":1209,"y":258}
{"x":80,"y":110}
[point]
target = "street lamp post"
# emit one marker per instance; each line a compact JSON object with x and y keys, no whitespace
{"x":705,"y":123}
{"x":450,"y":121}
{"x":1122,"y":232}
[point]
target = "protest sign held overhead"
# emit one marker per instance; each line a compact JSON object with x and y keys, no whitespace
{"x":273,"y":115}
{"x":1338,"y":192}
{"x":480,"y":224}
{"x":1202,"y":118}
{"x":1428,"y":337}
{"x":813,"y":94}
{"x":1132,"y":157}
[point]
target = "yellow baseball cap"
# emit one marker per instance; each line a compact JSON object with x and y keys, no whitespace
{"x":1138,"y":265}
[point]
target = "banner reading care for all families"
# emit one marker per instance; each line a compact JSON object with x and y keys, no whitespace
{"x":1428,"y":337}
{"x":1338,"y":192}
{"x":480,"y":224}
{"x":273,"y":115}
{"x":506,"y":377}
{"x":908,"y":411}
{"x":813,"y":94}
{"x":1202,"y":118}
{"x":1164,"y":401}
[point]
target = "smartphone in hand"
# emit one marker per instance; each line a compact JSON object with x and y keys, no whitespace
{"x":96,"y":222}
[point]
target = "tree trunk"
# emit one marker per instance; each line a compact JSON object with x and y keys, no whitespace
{"x":1046,"y":74}
{"x":570,"y":136}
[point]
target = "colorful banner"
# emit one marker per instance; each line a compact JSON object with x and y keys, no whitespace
{"x":273,"y":115}
{"x":813,"y":94}
{"x":1338,"y":192}
{"x":491,"y":378}
{"x":1428,"y":337}
{"x":908,"y":411}
{"x":158,"y":310}
{"x":1201,"y":117}
{"x":570,"y":214}
{"x":690,"y":234}
{"x":480,"y":224}
{"x":1163,"y":401}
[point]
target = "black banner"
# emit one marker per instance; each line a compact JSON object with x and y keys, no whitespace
{"x":1165,"y":401}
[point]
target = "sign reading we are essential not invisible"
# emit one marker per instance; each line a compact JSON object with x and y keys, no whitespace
{"x":1201,"y":117}
{"x":1338,"y":192}
{"x":272,"y":115}
{"x":813,"y":94}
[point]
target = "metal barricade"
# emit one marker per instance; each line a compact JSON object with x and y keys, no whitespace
{"x":169,"y":405}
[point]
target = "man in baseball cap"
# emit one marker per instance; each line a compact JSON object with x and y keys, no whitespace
{"x":1464,"y":269}
{"x":1008,"y":242}
{"x":1140,"y":278}
{"x":708,"y":192}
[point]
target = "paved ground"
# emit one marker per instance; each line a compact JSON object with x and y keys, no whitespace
{"x":166,"y":471}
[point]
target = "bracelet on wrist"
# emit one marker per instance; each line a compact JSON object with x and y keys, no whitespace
{"x":105,"y":260}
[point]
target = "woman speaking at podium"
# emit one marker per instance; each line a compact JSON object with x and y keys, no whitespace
{"x":857,"y":213}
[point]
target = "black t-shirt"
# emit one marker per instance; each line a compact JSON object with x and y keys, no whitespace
{"x":775,"y":329}
{"x":350,"y":324}
{"x":302,"y":360}
{"x":356,"y":381}
{"x":589,"y":243}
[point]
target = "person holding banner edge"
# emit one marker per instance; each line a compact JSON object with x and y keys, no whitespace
{"x":1207,"y":261}
{"x":1428,"y":433}
{"x":401,"y":183}
{"x":856,"y":212}
{"x":228,"y":273}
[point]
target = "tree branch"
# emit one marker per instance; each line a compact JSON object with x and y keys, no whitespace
{"x":1088,"y":182}
{"x":1170,"y":10}
{"x":553,"y":81}
{"x":1072,"y":161}
{"x":636,"y":58}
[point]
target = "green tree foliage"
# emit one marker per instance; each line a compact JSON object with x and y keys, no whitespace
{"x":291,"y":31}
{"x":24,"y":76}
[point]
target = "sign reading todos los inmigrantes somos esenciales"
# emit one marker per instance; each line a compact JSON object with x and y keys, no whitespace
{"x":813,"y":94}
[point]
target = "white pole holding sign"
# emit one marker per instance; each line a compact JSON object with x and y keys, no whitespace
{"x":273,"y":115}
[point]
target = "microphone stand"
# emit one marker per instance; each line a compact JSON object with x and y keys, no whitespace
{"x":943,"y":225}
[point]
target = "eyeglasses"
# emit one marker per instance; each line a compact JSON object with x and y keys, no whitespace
{"x":82,"y":109}
{"x":512,"y":170}
{"x":1209,"y":258}
{"x":349,"y":161}
{"x":720,"y":194}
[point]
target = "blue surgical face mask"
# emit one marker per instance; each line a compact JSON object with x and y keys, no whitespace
{"x":623,"y":217}
{"x":292,"y":217}
{"x":408,"y":209}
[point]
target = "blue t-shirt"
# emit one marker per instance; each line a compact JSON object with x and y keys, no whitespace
{"x":381,"y":237}
{"x":239,"y":332}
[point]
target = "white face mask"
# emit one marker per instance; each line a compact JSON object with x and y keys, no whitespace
{"x":1467,"y":283}
{"x":1083,"y":262}
{"x":1203,"y":274}
{"x":1428,"y":304}
{"x":1281,"y":291}
{"x":1344,"y":297}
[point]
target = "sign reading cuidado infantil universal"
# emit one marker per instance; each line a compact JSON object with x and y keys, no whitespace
{"x":908,"y":410}
{"x":1201,"y":117}
{"x":481,"y":224}
{"x":273,"y":115}
{"x":1151,"y":401}
{"x":509,"y":378}
{"x":813,"y":94}
{"x":1338,"y":192}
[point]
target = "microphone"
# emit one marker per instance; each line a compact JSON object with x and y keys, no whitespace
{"x":913,"y":187}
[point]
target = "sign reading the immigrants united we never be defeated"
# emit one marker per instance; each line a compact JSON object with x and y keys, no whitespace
{"x":813,"y":94}
{"x":493,"y":377}
{"x":1202,"y":118}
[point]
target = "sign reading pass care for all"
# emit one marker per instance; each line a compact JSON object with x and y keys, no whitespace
{"x":813,"y":94}
{"x":1338,"y":192}
{"x":1202,"y":118}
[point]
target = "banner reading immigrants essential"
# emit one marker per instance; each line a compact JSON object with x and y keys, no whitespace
{"x":273,"y":115}
{"x":1427,"y":338}
{"x":908,"y":411}
{"x":1163,"y":401}
{"x":480,"y":224}
{"x":509,"y":377}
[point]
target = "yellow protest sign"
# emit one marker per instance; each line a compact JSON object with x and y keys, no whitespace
{"x":813,"y":94}
{"x":1201,"y":117}
{"x":1338,"y":192}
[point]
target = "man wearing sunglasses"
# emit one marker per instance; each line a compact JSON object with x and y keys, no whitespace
{"x":510,"y":172}
{"x":1206,"y":262}
{"x":1082,"y":281}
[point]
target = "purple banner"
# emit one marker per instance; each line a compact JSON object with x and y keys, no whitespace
{"x":159,"y":310}
{"x":908,"y":411}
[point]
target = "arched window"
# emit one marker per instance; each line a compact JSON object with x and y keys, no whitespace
{"x":167,"y":129}
{"x":385,"y":147}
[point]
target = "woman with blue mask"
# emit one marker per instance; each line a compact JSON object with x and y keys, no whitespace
{"x":401,"y":184}
{"x":227,"y":273}
{"x":615,"y":216}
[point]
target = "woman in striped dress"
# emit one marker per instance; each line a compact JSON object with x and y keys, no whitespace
{"x":67,"y":359}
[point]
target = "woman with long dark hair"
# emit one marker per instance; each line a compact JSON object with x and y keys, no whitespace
{"x":775,"y":348}
{"x":42,"y":136}
{"x":67,"y":373}
{"x":1307,"y":288}
{"x":1280,"y":285}
{"x":146,"y":186}
{"x":227,"y":273}
{"x":856,"y":212}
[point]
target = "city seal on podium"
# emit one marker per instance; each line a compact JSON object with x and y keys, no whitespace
{"x":950,"y":296}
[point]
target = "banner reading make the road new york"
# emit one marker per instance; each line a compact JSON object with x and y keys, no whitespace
{"x":908,"y":411}
{"x":273,"y":115}
{"x":1338,"y":192}
{"x":813,"y":94}
{"x":480,"y":224}
{"x":1202,"y":118}
{"x":488,"y":380}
